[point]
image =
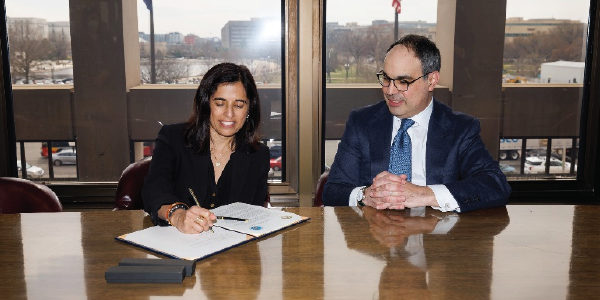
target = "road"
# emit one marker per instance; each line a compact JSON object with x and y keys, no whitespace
{"x":69,"y":172}
{"x":33,"y":156}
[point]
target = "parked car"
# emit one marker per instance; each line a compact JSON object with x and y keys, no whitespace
{"x":506,"y":169}
{"x":275,"y":151}
{"x":32,"y":171}
{"x":537,"y":165}
{"x":148,"y":148}
{"x":541,"y":153}
{"x":56,"y":147}
{"x":276,"y":163}
{"x":65,"y":157}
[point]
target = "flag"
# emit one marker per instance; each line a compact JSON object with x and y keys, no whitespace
{"x":148,"y":4}
{"x":396,"y":5}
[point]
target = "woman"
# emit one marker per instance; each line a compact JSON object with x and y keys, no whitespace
{"x":216,"y":153}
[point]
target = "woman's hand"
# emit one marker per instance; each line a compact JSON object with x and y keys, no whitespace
{"x":193,"y":220}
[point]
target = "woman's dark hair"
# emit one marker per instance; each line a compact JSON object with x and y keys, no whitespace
{"x":197,"y":133}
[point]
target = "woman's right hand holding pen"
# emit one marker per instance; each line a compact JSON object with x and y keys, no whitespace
{"x":193,"y":220}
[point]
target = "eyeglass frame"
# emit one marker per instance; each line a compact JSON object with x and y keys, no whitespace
{"x":393,"y":81}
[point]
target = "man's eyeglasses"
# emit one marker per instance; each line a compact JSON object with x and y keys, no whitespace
{"x":400,"y":84}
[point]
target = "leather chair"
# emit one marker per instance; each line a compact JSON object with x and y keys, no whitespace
{"x":129,"y":188}
{"x":318,"y":202}
{"x":23,"y":196}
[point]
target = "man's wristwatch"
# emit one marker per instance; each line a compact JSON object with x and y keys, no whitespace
{"x":361,"y":196}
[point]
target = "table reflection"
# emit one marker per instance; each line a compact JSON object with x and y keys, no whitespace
{"x":234,"y":277}
{"x":423,"y":250}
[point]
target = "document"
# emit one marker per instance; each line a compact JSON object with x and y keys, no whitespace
{"x":227,"y":233}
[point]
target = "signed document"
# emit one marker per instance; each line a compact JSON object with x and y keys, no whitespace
{"x":227,"y":234}
{"x":260,"y":220}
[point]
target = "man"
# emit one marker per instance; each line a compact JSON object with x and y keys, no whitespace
{"x":439,"y":161}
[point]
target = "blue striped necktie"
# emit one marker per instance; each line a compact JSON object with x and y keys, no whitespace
{"x":400,"y":155}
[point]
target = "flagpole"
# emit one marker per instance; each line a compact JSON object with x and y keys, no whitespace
{"x":396,"y":26}
{"x":152,"y":58}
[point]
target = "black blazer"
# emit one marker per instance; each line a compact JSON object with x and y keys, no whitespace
{"x":176,"y":167}
{"x":456,"y":157}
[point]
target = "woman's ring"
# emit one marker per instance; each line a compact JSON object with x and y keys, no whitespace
{"x":199,"y":220}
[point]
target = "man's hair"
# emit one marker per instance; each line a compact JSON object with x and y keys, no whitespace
{"x":197,"y":133}
{"x":424,"y":49}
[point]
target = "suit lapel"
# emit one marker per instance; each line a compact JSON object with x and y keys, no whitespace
{"x":380,"y":136}
{"x":439,"y":136}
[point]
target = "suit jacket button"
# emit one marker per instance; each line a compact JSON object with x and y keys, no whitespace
{"x":212,"y":205}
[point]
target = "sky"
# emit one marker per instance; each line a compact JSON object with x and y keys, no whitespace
{"x":206,"y":18}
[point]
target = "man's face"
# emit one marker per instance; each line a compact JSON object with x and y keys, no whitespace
{"x":401,"y":64}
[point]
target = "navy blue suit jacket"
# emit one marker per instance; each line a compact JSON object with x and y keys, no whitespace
{"x":456,"y":157}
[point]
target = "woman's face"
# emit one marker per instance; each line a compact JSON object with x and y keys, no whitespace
{"x":228,"y":109}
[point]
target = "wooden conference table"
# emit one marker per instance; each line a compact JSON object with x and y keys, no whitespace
{"x":517,"y":252}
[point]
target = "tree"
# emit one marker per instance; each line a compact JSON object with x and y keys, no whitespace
{"x":567,"y":42}
{"x":60,"y":47}
{"x":357,"y":44}
{"x":27,"y":48}
{"x":168,"y":70}
{"x":526,"y":54}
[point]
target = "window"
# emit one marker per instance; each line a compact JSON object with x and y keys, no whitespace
{"x":537,"y":78}
{"x":101,"y":99}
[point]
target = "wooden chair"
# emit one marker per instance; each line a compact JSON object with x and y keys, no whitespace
{"x":23,"y":196}
{"x":318,"y":202}
{"x":129,"y":188}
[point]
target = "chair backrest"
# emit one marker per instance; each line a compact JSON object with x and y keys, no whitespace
{"x":318,"y":202}
{"x":23,"y":196}
{"x":129,"y":188}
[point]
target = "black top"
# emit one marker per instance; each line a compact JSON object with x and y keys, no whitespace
{"x":218,"y":192}
{"x":175,"y":168}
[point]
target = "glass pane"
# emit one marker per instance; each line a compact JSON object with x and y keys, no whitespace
{"x":357,"y":35}
{"x":545,"y":42}
{"x":190,"y":37}
{"x":62,"y":166}
{"x":545,"y":46}
{"x":40,"y":42}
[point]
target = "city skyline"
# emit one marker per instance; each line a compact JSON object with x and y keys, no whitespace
{"x":204,"y":22}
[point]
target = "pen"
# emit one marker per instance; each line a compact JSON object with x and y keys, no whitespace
{"x":198,"y":203}
{"x":231,"y":218}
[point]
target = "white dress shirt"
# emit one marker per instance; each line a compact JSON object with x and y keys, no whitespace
{"x":418,"y":137}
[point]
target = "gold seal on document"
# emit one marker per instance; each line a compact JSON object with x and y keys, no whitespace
{"x":286,"y":217}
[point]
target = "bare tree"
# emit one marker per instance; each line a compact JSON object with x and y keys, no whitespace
{"x":27,"y":48}
{"x":526,"y":54}
{"x":566,"y":42}
{"x":266,"y":74}
{"x":168,"y":70}
{"x":60,"y":47}
{"x":358,"y":45}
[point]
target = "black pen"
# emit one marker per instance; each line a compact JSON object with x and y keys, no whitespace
{"x":198,"y":203}
{"x":232,"y":218}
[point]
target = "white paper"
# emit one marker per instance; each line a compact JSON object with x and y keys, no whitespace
{"x":261,"y":220}
{"x":227,"y":233}
{"x":169,"y":240}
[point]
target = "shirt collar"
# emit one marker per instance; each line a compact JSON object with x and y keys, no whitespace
{"x":421,"y":118}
